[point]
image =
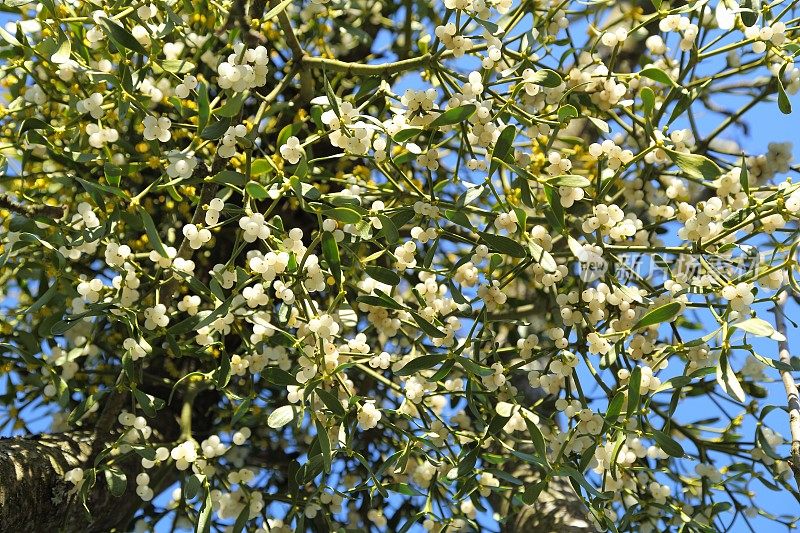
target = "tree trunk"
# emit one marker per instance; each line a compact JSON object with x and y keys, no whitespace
{"x":558,"y":509}
{"x":34,"y":497}
{"x":33,"y":493}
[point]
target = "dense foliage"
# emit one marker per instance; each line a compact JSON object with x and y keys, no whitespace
{"x":397,"y":264}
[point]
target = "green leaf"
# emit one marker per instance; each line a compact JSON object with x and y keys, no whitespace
{"x":660,"y":314}
{"x":330,"y":251}
{"x":744,"y":176}
{"x":62,"y":326}
{"x":599,"y":123}
{"x":503,"y":147}
{"x":554,"y":215}
{"x":779,"y":365}
{"x":567,"y":113}
{"x":528,"y":458}
{"x":261,"y":166}
{"x":278,"y":376}
{"x":256,"y":190}
{"x":43,"y":299}
{"x":543,"y":257}
{"x":241,"y":520}
{"x":570,"y":180}
{"x":546,"y":78}
{"x":146,"y":453}
{"x":84,"y":406}
{"x":288,"y":131}
{"x":331,"y":402}
{"x":766,"y":446}
{"x":750,"y":10}
{"x":634,"y":386}
{"x":121,"y":37}
{"x":222,"y":374}
{"x":668,"y":444}
{"x":457,"y":217}
{"x":231,"y":107}
{"x":406,"y":134}
{"x":10,"y":39}
{"x":275,"y":11}
{"x":384,"y":275}
{"x":281,"y":416}
{"x":380,"y":301}
{"x":96,"y":190}
{"x":204,"y":518}
{"x":203,"y":107}
{"x":614,"y":409}
{"x":504,"y":245}
{"x":332,"y":100}
{"x":469,"y":196}
{"x":148,"y":403}
{"x":759,"y":328}
{"x":656,"y":74}
{"x":679,"y":109}
{"x":695,"y":166}
{"x":64,"y":49}
{"x":581,"y":480}
{"x":152,"y":232}
{"x":648,"y":101}
{"x":32,"y":124}
{"x":324,"y":445}
{"x":423,"y":362}
{"x":344,"y":214}
{"x":192,"y":486}
{"x":240,"y":411}
{"x":443,"y":371}
{"x":389,"y":229}
{"x":112,"y":173}
{"x":216,"y":130}
{"x":453,"y":116}
{"x":117,"y":482}
{"x":727,"y":380}
{"x":784,"y":104}
{"x":304,"y":190}
{"x":537,"y":438}
{"x":497,"y":423}
{"x":427,"y":327}
{"x":474,"y":368}
{"x":219,"y":311}
{"x":177,"y":66}
{"x":532,"y":492}
{"x":230,"y":178}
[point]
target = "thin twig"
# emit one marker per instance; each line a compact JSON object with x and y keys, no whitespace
{"x":298,"y":55}
{"x":361,"y":69}
{"x":790,"y":385}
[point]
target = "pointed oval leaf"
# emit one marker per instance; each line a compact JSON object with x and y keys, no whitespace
{"x":504,"y":245}
{"x":656,"y":74}
{"x":281,"y":416}
{"x":695,"y":166}
{"x":453,"y":116}
{"x":660,"y":314}
{"x":668,"y":444}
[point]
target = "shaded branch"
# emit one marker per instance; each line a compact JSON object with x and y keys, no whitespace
{"x":50,"y":211}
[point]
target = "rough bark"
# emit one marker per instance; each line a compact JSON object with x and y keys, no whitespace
{"x":33,"y":493}
{"x":34,"y":497}
{"x":557,"y":509}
